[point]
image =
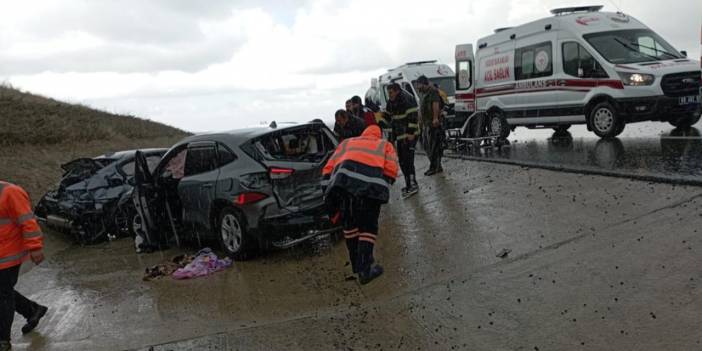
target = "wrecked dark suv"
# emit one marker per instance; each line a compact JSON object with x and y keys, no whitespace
{"x":92,"y":200}
{"x":247,"y":189}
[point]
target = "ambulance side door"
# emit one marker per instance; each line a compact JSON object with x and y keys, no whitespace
{"x":538,"y":98}
{"x":580,"y":72}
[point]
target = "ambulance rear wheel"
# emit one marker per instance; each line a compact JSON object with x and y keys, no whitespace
{"x":497,"y":125}
{"x":684,"y":122}
{"x":605,"y":121}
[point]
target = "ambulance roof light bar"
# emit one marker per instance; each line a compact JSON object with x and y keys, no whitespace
{"x":570,"y":10}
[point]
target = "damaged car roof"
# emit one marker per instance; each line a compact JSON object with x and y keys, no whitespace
{"x":120,"y":154}
{"x":239,"y":136}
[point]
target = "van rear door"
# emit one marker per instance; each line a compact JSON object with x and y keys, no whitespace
{"x":465,"y":71}
{"x":294,"y":158}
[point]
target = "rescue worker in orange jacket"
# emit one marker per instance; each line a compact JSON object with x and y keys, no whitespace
{"x":20,"y":239}
{"x":358,"y":178}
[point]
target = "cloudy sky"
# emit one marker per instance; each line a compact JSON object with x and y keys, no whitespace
{"x":216,"y":65}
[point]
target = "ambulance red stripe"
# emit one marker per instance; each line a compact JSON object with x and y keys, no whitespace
{"x":583,"y":85}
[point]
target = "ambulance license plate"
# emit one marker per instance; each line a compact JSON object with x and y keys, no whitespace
{"x":689,"y":100}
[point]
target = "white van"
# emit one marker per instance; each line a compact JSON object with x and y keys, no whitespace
{"x":406,"y":75}
{"x":580,"y":66}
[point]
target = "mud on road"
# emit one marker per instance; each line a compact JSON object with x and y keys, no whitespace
{"x":596,"y":263}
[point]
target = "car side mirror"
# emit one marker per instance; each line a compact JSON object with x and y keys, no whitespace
{"x":684,"y":53}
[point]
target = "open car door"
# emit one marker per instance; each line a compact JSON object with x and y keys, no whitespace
{"x":156,"y":220}
{"x":294,"y":158}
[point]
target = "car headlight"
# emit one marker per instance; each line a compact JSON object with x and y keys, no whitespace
{"x":636,"y":79}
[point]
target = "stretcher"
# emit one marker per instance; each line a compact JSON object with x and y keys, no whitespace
{"x":473,"y":135}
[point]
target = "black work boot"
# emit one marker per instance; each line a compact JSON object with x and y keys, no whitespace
{"x":34,"y":319}
{"x":408,"y":185}
{"x":415,"y":186}
{"x":5,"y":346}
{"x":371,"y":273}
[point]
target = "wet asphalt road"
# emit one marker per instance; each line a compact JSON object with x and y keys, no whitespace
{"x":596,"y":263}
{"x":652,"y":150}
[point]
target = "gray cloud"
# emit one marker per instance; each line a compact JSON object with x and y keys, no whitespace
{"x":125,"y":58}
{"x":169,"y":35}
{"x":139,"y":36}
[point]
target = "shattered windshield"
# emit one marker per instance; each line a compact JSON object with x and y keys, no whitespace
{"x":300,"y":145}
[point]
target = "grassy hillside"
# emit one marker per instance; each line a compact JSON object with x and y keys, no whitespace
{"x":38,"y":134}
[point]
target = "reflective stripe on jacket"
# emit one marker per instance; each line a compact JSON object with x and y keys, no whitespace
{"x":404,"y":113}
{"x":19,"y":231}
{"x":365,"y":166}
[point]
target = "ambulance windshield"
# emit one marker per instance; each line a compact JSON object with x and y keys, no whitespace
{"x":632,"y":46}
{"x":447,"y":84}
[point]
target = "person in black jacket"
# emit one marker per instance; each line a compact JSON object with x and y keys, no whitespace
{"x":431,"y":124}
{"x":347,"y":125}
{"x":403,"y":112}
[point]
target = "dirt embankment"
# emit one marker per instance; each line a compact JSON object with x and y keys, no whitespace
{"x":38,"y":134}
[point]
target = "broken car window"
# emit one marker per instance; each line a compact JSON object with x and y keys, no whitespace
{"x":301,"y":145}
{"x":176,"y":166}
{"x":152,"y":161}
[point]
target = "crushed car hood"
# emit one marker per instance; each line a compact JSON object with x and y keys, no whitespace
{"x":78,"y":170}
{"x":81,"y":164}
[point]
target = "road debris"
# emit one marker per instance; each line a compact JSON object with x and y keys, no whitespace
{"x":205,"y":263}
{"x":503,"y":253}
{"x":167,"y":268}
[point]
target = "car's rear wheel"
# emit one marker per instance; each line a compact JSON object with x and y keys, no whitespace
{"x":233,"y":236}
{"x":605,"y":121}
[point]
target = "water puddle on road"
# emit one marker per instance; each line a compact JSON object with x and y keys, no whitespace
{"x":649,"y":149}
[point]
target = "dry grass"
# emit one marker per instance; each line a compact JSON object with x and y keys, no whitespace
{"x":38,"y":134}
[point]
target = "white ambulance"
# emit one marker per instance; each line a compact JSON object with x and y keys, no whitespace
{"x":406,"y":75}
{"x":580,"y":66}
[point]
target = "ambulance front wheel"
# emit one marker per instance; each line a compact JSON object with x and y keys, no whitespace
{"x":561,"y":129}
{"x":497,"y":125}
{"x":605,"y":121}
